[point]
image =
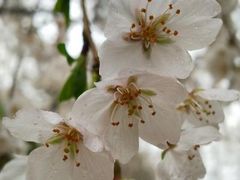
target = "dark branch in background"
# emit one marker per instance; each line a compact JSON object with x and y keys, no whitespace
{"x":20,"y":11}
{"x":89,"y":43}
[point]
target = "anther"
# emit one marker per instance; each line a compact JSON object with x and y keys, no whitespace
{"x":143,"y":10}
{"x":175,"y":33}
{"x":151,"y":17}
{"x":133,"y":25}
{"x":142,"y":121}
{"x":196,"y":147}
{"x":149,"y":0}
{"x":66,"y":150}
{"x":168,"y":31}
{"x":150,"y":106}
{"x":154,"y":113}
{"x":77,"y":164}
{"x":191,"y":157}
{"x":56,"y":130}
{"x":47,"y":145}
{"x":65,"y":157}
{"x":130,"y":125}
{"x":210,"y":106}
{"x":164,"y":29}
{"x":170,"y":6}
{"x":140,"y":107}
{"x":213,"y":113}
{"x":77,"y":151}
{"x":178,"y":11}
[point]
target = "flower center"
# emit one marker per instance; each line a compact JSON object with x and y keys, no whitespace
{"x":71,"y":137}
{"x":136,"y":100}
{"x":202,"y":109}
{"x":149,"y":29}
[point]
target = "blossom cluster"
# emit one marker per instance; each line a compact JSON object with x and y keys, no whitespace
{"x":140,"y":95}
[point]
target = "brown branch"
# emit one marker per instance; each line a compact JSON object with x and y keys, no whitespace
{"x":21,"y":11}
{"x":88,"y":41}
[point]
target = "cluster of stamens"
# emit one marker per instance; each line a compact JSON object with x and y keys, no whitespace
{"x":150,"y":29}
{"x":71,"y":138}
{"x":202,"y":109}
{"x":134,"y":99}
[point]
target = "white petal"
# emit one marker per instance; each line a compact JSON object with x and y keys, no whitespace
{"x":197,"y":33}
{"x":219,"y":95}
{"x":198,"y":136}
{"x":167,"y":60}
{"x":204,"y":119}
{"x":164,"y":127}
{"x":168,"y":89}
{"x":47,"y":163}
{"x":93,"y":165}
{"x":194,"y":8}
{"x":32,"y":125}
{"x":15,"y":169}
{"x":92,"y":111}
{"x":177,"y":166}
{"x":122,"y":140}
{"x":122,"y":14}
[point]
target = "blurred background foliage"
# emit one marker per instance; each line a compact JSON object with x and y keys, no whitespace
{"x":48,"y":58}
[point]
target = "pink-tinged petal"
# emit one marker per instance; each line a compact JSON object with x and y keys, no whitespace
{"x":92,"y":111}
{"x":122,"y":141}
{"x":15,"y":169}
{"x":219,"y":95}
{"x":163,"y":127}
{"x":93,"y":165}
{"x":198,"y":136}
{"x":194,"y":8}
{"x":167,"y":60}
{"x":178,"y":166}
{"x":32,"y":124}
{"x":197,"y":33}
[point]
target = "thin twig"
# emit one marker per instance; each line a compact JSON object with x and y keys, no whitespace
{"x":88,"y":41}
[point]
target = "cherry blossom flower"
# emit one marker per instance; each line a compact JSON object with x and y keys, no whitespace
{"x":63,"y":156}
{"x":130,"y":106}
{"x":202,"y":107}
{"x":154,"y":35}
{"x":15,"y":169}
{"x":183,"y":161}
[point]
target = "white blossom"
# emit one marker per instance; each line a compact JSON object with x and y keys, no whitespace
{"x":183,"y":161}
{"x":64,"y":155}
{"x":134,"y":105}
{"x":155,"y":35}
{"x":203,"y":107}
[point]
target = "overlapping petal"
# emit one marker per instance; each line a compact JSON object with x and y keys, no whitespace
{"x":32,"y":124}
